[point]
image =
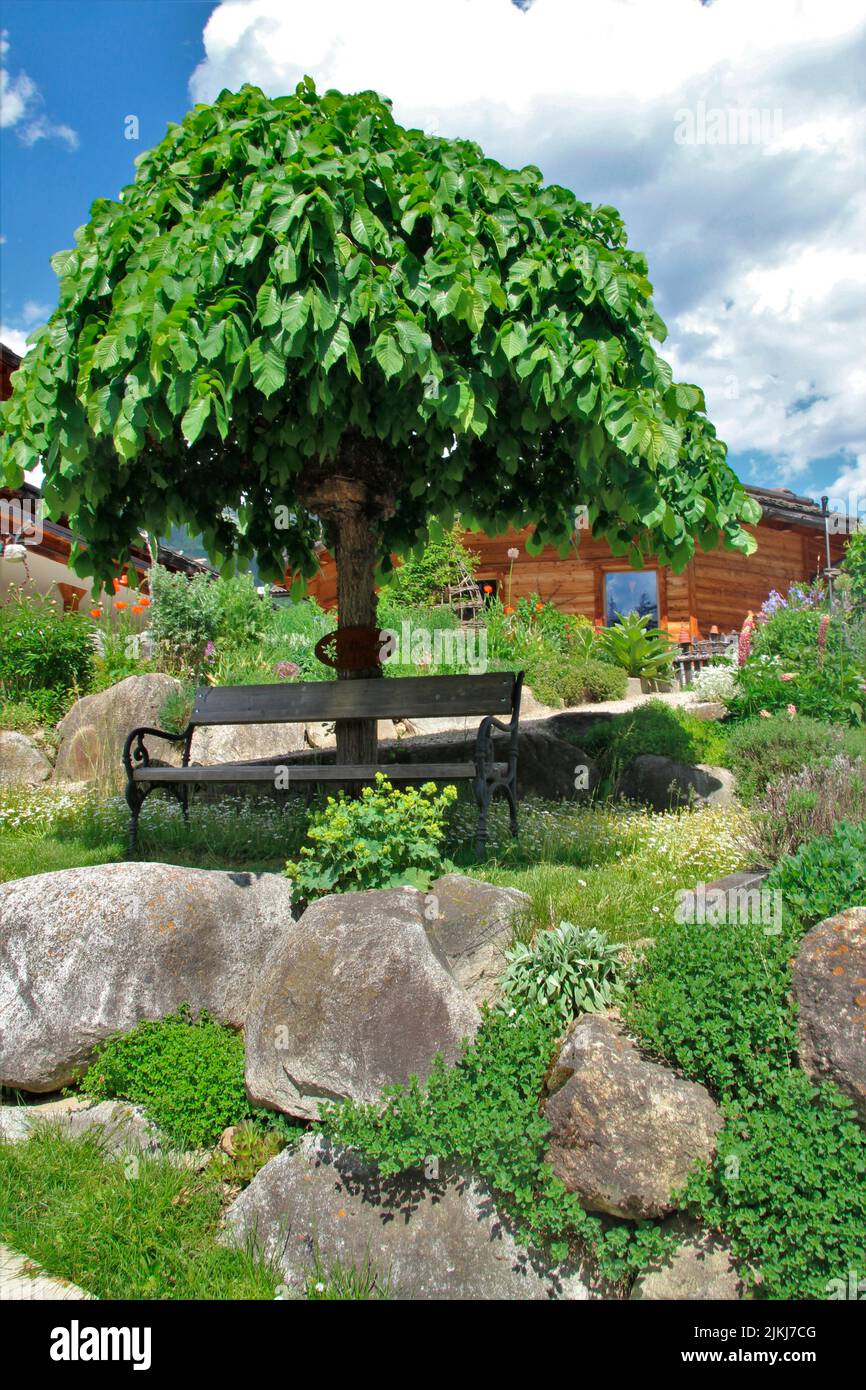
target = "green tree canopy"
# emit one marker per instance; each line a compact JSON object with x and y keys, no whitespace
{"x":296,"y":290}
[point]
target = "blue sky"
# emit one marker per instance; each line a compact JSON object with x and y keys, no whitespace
{"x":755,"y":236}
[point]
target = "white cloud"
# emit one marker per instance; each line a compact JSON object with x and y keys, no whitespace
{"x":13,"y":338}
{"x":850,"y":487}
{"x":20,"y":100}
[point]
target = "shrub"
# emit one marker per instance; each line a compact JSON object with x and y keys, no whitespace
{"x":187,"y":1072}
{"x":557,"y":681}
{"x":653,"y":728}
{"x":421,"y":577}
{"x":569,"y":970}
{"x":717,"y":682}
{"x":380,"y":839}
{"x":40,"y":707}
{"x":800,"y":805}
{"x":639,"y":649}
{"x":184,"y":618}
{"x":713,"y":1000}
{"x":787,"y":1188}
{"x":854,"y":565}
{"x":762,"y":750}
{"x":601,"y":681}
{"x":826,"y":875}
{"x":46,"y":655}
{"x":242,"y":615}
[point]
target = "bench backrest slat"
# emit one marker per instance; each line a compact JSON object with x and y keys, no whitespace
{"x":297,"y":702}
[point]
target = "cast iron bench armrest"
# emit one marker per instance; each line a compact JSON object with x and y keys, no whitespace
{"x":137,"y":736}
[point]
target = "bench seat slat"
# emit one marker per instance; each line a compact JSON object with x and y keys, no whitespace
{"x":295,"y":702}
{"x":315,"y":772}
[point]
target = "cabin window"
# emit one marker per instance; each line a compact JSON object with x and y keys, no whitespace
{"x":631,"y":591}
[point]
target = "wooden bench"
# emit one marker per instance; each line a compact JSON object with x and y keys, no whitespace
{"x":492,"y":695}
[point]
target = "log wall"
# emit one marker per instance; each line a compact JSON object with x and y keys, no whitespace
{"x":718,"y":588}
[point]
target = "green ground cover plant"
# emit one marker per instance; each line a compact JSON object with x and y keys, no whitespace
{"x":826,"y":874}
{"x":484,"y":1113}
{"x":187,"y":1073}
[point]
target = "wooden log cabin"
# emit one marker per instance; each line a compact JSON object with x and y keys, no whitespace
{"x":716,"y":589}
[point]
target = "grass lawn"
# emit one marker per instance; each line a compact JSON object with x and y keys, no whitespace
{"x":121,"y":1231}
{"x":46,"y":830}
{"x":617,"y":868}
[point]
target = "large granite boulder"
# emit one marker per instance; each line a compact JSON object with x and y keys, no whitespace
{"x":547,"y":766}
{"x":22,"y":762}
{"x":360,"y":995}
{"x":244,"y":743}
{"x":625,"y":1132}
{"x":700,"y":1267}
{"x":473,"y":923}
{"x":89,"y":952}
{"x":94,"y":731}
{"x":663,"y":783}
{"x":830,"y":989}
{"x":418,"y":1236}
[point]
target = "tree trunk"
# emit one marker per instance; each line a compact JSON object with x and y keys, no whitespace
{"x":356,"y":554}
{"x":353,"y":495}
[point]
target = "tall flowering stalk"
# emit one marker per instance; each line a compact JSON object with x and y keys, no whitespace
{"x":822,"y":637}
{"x":512,"y":553}
{"x":744,"y":642}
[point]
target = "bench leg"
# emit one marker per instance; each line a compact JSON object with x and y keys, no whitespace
{"x":482,"y":795}
{"x":512,"y":803}
{"x":134,"y":800}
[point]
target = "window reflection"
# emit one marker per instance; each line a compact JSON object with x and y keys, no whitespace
{"x":635,"y":591}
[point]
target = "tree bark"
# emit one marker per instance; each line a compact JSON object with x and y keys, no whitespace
{"x":353,"y":495}
{"x":356,"y":554}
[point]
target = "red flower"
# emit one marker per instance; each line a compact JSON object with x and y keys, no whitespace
{"x":137,"y":608}
{"x":120,"y":603}
{"x":488,"y":588}
{"x":96,"y":612}
{"x":508,"y":610}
